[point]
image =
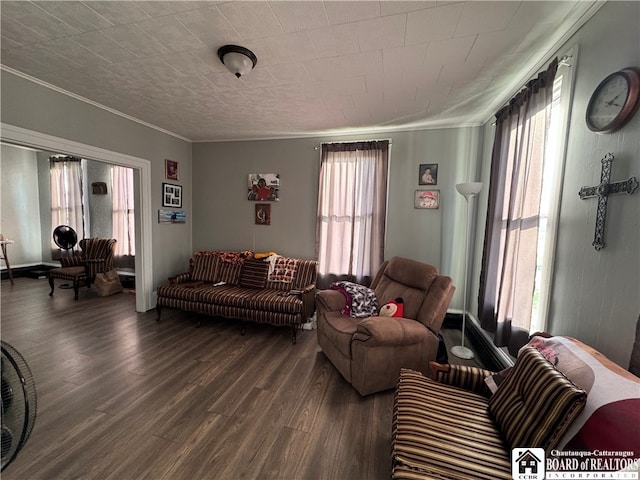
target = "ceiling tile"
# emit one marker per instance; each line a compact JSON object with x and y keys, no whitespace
{"x":383,"y":32}
{"x":76,"y":14}
{"x":433,"y":23}
{"x":292,"y":47}
{"x":478,"y":17}
{"x":172,"y":34}
{"x":36,"y":19}
{"x":390,"y":8}
{"x":335,"y":40}
{"x":252,"y":19}
{"x":297,"y":16}
{"x":135,"y":40}
{"x":118,"y":13}
{"x":103,"y":46}
{"x":210,"y":26}
{"x":351,"y":11}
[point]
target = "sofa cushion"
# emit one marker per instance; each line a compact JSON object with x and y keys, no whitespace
{"x":284,"y":269}
{"x":536,"y":404}
{"x":229,"y":272}
{"x":204,"y":268}
{"x":440,"y":431}
{"x":254,"y":273}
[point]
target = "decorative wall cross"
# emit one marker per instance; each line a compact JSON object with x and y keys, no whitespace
{"x":603,"y":191}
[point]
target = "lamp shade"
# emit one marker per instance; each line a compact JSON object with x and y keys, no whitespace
{"x":469,"y":189}
{"x":238,"y":60}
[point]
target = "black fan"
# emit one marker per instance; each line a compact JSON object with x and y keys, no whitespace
{"x":18,"y":403}
{"x":65,"y":237}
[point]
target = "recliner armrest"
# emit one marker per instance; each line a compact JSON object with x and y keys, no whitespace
{"x":331,"y":300}
{"x":396,"y":331}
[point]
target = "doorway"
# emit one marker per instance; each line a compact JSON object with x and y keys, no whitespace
{"x":142,"y":178}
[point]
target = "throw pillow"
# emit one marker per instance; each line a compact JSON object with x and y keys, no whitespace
{"x":205,"y":268}
{"x":394,"y":308}
{"x":254,"y":274}
{"x":536,"y":404}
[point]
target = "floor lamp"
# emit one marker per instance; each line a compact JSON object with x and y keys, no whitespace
{"x":467,"y":190}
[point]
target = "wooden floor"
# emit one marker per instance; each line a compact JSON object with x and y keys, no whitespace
{"x":121,"y":396}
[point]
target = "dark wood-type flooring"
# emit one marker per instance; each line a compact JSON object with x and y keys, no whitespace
{"x":121,"y":396}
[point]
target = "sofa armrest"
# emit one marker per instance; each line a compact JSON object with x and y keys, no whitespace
{"x":396,"y":331}
{"x":308,"y":296}
{"x":331,"y":300}
{"x":462,"y":376}
{"x":180,"y":278}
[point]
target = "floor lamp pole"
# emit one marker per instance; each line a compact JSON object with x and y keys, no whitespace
{"x":468,"y":190}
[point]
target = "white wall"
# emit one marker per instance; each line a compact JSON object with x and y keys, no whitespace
{"x":20,"y":212}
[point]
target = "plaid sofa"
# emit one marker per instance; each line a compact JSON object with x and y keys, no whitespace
{"x":452,"y":427}
{"x":275,"y":290}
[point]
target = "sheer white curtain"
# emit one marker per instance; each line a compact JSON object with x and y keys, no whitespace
{"x":351,"y":211}
{"x":66,"y":194}
{"x":123,"y":210}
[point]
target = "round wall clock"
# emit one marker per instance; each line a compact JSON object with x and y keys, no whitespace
{"x":614,"y":101}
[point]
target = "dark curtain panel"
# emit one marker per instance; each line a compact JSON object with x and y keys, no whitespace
{"x":510,"y":244}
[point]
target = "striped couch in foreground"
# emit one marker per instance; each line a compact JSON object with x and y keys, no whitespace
{"x":275,"y":290}
{"x":454,"y":428}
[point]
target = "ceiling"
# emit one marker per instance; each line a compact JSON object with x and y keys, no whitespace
{"x":323,"y":67}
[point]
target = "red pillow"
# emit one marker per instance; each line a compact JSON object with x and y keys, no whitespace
{"x":394,"y":308}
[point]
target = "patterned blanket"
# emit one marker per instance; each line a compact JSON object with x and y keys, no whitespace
{"x":361,"y":300}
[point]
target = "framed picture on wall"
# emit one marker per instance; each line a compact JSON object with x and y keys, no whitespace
{"x":263,"y":214}
{"x":428,"y":174}
{"x":263,"y":187}
{"x":171,"y":216}
{"x":171,"y":170}
{"x":171,"y":195}
{"x":427,"y":199}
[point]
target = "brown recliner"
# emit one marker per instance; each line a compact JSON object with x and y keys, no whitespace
{"x":369,"y":352}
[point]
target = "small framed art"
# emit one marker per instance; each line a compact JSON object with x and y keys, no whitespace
{"x":427,"y":199}
{"x":263,"y":214}
{"x":172,"y":216}
{"x":171,"y":170}
{"x":171,"y":195}
{"x":428,"y":174}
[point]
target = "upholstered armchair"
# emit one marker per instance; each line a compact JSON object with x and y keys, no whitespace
{"x":96,"y":256}
{"x":369,"y":352}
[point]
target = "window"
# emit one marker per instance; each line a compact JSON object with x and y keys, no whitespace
{"x":67,"y":207}
{"x":526,"y":176}
{"x":351,"y":210}
{"x":123,"y":210}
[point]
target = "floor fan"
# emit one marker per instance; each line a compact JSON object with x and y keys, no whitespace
{"x":18,"y":403}
{"x":65,"y":237}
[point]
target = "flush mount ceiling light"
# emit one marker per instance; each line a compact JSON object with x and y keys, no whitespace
{"x":238,"y":60}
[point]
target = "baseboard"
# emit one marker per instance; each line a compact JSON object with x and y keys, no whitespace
{"x":30,"y":271}
{"x":493,"y":357}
